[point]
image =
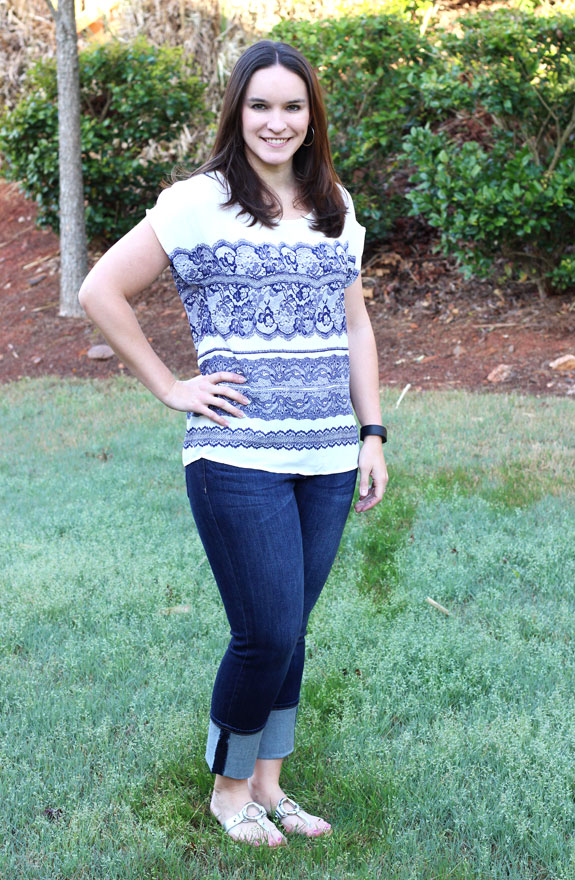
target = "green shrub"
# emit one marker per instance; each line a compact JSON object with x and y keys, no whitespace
{"x":498,"y":177}
{"x":370,"y":68}
{"x":132,"y":95}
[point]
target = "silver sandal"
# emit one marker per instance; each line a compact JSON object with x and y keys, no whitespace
{"x":283,"y":812}
{"x":243,"y":816}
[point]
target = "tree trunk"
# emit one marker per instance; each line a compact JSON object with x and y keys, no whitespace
{"x":73,"y":244}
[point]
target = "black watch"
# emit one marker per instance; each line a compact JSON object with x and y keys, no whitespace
{"x":377,"y":430}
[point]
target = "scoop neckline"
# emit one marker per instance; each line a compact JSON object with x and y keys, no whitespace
{"x":297,"y":219}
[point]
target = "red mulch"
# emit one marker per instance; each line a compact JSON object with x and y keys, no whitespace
{"x":433,"y":328}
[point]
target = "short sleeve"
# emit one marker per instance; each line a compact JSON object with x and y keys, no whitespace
{"x":354,"y":236}
{"x":167,"y":216}
{"x":184,"y":211}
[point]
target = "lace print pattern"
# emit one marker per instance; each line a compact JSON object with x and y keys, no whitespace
{"x":244,"y":289}
{"x":291,"y":440}
{"x":295,"y":387}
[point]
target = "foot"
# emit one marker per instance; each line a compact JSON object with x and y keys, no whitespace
{"x":296,"y":821}
{"x":246,"y":822}
{"x":293,"y":819}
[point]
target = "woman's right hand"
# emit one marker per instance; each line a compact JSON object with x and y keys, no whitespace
{"x":126,"y":269}
{"x":202,"y":392}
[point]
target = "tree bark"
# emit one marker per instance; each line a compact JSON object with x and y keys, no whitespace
{"x":73,"y":243}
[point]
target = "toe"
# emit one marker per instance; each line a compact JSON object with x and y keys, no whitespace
{"x":322,"y":828}
{"x":310,"y":826}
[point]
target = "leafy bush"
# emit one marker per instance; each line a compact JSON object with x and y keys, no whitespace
{"x":370,"y":69}
{"x":131,"y":96}
{"x":498,"y":177}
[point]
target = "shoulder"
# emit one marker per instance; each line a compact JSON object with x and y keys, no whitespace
{"x":347,"y":199}
{"x":188,"y":211}
{"x":352,"y":228}
{"x":344,"y":192}
{"x":353,"y":234}
{"x":205,"y":190}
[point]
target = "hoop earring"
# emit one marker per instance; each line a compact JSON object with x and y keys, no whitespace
{"x":312,"y":137}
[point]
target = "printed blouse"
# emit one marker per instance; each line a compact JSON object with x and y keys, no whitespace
{"x":267,"y":304}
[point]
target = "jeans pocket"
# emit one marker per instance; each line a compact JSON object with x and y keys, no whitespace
{"x":196,"y":478}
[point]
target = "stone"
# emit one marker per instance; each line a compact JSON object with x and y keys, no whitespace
{"x":500,"y":373}
{"x":564,"y":363}
{"x":100,"y":353}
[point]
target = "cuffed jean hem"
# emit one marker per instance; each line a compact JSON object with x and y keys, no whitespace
{"x":235,"y":754}
{"x":279,"y":734}
{"x":232,"y":754}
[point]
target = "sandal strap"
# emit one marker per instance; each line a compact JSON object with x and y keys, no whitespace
{"x":243,"y":816}
{"x":282,"y":812}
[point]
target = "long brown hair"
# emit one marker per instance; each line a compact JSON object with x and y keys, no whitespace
{"x":313,"y":166}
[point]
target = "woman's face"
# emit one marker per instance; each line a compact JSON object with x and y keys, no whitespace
{"x":275,"y":118}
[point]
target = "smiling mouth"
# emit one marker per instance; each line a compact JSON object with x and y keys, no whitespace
{"x":276,"y":142}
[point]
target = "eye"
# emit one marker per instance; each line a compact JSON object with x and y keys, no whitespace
{"x":258,"y":105}
{"x":293,"y":107}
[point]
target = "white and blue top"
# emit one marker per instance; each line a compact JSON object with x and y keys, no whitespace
{"x":267,"y":304}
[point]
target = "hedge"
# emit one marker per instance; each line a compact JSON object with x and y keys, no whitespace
{"x":132,"y":95}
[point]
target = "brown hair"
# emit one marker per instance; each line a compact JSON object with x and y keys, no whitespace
{"x":316,"y":177}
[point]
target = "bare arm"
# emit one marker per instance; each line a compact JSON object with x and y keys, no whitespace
{"x":364,"y":386}
{"x":128,"y":267}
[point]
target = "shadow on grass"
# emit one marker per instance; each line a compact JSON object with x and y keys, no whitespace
{"x":387,"y":529}
{"x":175,"y":801}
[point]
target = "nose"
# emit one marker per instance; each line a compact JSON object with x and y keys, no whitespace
{"x":276,"y":122}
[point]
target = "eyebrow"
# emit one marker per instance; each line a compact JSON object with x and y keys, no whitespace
{"x":264,"y":101}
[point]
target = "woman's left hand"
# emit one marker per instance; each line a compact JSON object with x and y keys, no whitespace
{"x":372,"y":474}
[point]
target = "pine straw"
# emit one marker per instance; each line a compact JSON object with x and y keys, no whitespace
{"x":212,"y":42}
{"x":27,"y":33}
{"x":214,"y":33}
{"x":195,"y":27}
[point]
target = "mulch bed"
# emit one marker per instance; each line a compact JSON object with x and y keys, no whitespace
{"x":433,"y":328}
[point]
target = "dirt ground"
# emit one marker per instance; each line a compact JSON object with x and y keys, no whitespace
{"x":433,"y":328}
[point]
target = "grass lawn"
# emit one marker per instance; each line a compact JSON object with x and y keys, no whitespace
{"x":438,"y":746}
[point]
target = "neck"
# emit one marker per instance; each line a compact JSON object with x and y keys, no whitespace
{"x":281,"y":181}
{"x":280,"y":178}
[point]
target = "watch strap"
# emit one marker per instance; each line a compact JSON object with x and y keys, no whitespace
{"x":373,"y":430}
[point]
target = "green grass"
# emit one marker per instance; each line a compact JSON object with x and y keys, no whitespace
{"x":439,"y":747}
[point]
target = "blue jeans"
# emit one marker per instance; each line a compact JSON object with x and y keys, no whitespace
{"x":271,"y":540}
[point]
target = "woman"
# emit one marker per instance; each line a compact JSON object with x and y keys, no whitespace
{"x":265,"y":252}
